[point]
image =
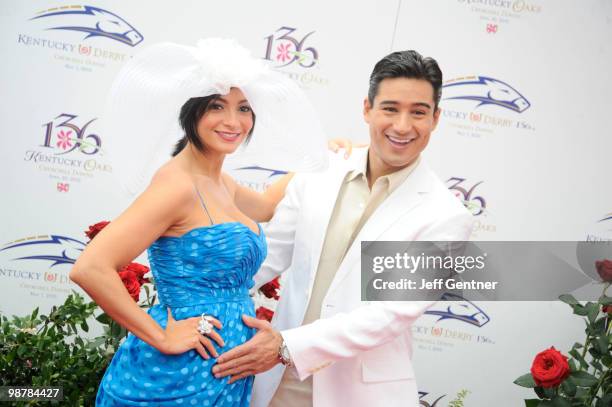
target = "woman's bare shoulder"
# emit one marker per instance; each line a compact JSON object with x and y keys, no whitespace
{"x":174,"y":182}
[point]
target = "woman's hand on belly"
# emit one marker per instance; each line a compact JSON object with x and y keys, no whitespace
{"x":182,"y":336}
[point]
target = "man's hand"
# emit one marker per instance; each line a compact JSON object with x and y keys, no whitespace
{"x":257,"y":355}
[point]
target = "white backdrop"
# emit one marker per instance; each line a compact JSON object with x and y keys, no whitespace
{"x":526,"y":132}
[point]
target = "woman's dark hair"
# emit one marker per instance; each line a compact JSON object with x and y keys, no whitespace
{"x":191,"y":113}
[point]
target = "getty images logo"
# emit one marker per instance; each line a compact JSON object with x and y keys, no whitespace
{"x":93,"y":21}
{"x":485,"y":91}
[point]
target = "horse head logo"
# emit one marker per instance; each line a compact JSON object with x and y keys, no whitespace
{"x":606,"y":217}
{"x":94,"y":21}
{"x":486,"y":91}
{"x":459,"y":309}
{"x":423,"y":403}
{"x":56,"y":249}
{"x":271,"y":172}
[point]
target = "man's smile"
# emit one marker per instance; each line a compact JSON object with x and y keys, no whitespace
{"x":400,"y":141}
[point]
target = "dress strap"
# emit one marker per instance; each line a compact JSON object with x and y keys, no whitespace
{"x":203,"y":204}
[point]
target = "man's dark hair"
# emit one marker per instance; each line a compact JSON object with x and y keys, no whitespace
{"x":406,"y":64}
{"x":191,"y":113}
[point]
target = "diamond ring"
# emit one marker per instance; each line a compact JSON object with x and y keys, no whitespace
{"x":204,"y":326}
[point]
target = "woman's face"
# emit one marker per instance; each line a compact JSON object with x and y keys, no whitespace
{"x":226,"y":123}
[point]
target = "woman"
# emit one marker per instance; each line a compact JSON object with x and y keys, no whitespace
{"x":203,"y":239}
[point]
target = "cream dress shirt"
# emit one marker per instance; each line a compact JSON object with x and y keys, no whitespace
{"x":354,"y":206}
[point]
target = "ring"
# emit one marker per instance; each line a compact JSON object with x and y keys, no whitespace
{"x":204,"y":326}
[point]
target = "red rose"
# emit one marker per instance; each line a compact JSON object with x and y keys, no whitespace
{"x":550,"y":368}
{"x":607,"y":309}
{"x":264,"y":313}
{"x":95,"y":229}
{"x":130,"y":281}
{"x":270,"y":289}
{"x":139,"y":271}
{"x":604,"y":269}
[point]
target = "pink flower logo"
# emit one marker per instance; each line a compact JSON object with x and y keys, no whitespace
{"x":63,"y":187}
{"x":64,"y":139}
{"x":283,"y":52}
{"x":491,"y":28}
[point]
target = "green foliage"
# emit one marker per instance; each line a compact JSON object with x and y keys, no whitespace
{"x":50,"y":350}
{"x":459,"y":399}
{"x":525,"y":380}
{"x":590,"y":381}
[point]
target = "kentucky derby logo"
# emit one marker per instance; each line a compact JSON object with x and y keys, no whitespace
{"x":255,"y":177}
{"x":93,"y":21}
{"x":475,"y":204}
{"x":269,"y":171}
{"x":64,"y":136}
{"x":606,"y":217}
{"x":423,"y":403}
{"x":286,"y":47}
{"x":485,"y":91}
{"x":601,"y":230}
{"x":50,"y":248}
{"x":459,"y":309}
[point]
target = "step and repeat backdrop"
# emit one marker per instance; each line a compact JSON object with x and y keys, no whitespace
{"x":524,"y":139}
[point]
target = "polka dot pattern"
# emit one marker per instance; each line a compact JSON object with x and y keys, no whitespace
{"x":208,"y":270}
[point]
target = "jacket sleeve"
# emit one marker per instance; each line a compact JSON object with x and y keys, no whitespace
{"x":280,"y":233}
{"x":344,"y":335}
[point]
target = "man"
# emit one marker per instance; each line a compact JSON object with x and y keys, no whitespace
{"x":326,"y":347}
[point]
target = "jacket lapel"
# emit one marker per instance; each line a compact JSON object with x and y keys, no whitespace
{"x":324,"y":203}
{"x":405,"y":198}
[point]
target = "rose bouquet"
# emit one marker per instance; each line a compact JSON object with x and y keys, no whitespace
{"x":584,"y":377}
{"x":270,"y":291}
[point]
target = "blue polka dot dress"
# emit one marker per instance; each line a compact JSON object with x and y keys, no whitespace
{"x":208,"y":270}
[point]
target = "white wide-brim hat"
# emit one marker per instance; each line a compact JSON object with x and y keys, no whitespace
{"x":143,"y":107}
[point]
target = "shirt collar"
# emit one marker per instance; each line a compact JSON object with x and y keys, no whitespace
{"x":392,"y":180}
{"x":361,"y":167}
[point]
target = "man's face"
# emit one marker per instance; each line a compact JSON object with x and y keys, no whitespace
{"x":401,"y":121}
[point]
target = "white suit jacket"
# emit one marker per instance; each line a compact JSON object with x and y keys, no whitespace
{"x":359,"y":353}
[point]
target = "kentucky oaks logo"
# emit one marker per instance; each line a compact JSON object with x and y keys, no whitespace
{"x":69,"y":151}
{"x":497,"y":12}
{"x":63,"y":136}
{"x":481,"y":105}
{"x":293,"y":54}
{"x":474,"y":202}
{"x":92,"y":21}
{"x":285,"y":48}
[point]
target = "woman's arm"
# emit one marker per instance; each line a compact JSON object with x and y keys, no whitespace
{"x":165,"y":202}
{"x":258,"y":206}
